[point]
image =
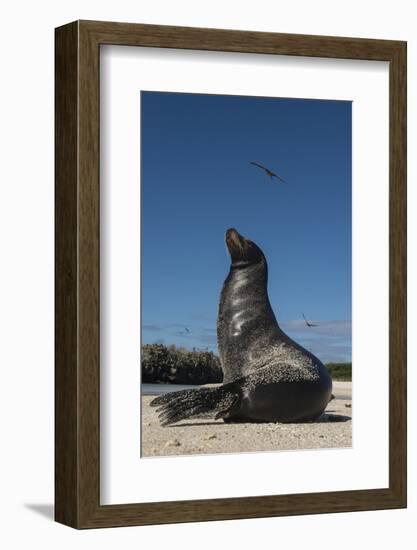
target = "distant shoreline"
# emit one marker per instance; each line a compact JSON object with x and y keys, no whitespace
{"x":172,"y":365}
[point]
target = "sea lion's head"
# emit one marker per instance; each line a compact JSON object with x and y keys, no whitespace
{"x":243,"y":252}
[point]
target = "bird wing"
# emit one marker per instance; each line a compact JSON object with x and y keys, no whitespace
{"x":274,"y":175}
{"x":258,"y":165}
{"x":307,"y":323}
{"x":279,"y":177}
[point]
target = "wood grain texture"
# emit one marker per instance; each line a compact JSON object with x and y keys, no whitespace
{"x":78,"y":284}
{"x":66,"y":237}
{"x":398,"y":273}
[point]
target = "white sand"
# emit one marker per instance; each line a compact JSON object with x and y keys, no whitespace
{"x":206,"y":436}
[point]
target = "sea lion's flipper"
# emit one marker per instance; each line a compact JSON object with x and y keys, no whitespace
{"x":167,"y":397}
{"x":177,"y":406}
{"x":226,"y":413}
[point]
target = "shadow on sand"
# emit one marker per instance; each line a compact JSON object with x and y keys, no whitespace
{"x":324,"y":418}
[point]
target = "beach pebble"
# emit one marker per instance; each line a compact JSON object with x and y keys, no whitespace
{"x":173,"y":443}
{"x":348,"y":405}
{"x":212,"y":436}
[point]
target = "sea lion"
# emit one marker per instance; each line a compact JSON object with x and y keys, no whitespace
{"x":267,"y":376}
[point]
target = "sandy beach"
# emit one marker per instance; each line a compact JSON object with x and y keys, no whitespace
{"x":207,"y":436}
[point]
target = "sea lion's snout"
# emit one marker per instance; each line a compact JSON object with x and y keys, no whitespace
{"x":231,"y":232}
{"x":242,"y":251}
{"x":234,"y":240}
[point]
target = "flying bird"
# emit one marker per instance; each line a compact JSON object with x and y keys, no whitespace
{"x":267,"y":171}
{"x":309,"y":324}
{"x":185,"y":331}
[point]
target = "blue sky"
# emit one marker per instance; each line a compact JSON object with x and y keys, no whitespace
{"x":197,"y":182}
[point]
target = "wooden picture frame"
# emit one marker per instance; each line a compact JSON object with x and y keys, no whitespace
{"x":77,"y":382}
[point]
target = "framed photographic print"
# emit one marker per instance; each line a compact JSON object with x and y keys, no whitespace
{"x":230,"y":274}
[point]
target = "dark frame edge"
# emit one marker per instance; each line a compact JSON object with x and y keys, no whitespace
{"x":158,"y":513}
{"x":238,"y":40}
{"x":398,"y":272}
{"x":66,"y":275}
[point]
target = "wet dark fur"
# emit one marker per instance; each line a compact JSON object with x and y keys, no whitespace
{"x":267,"y":376}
